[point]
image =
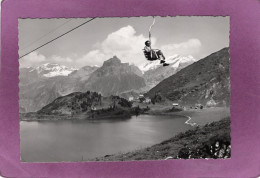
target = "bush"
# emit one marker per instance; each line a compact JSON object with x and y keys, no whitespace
{"x":184,"y":153}
{"x":175,"y":109}
{"x":124,"y":103}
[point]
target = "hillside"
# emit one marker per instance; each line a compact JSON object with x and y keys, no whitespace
{"x":88,"y":103}
{"x":205,"y":82}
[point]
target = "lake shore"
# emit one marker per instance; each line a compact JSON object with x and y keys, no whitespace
{"x":194,"y":143}
{"x":210,"y":124}
{"x":117,"y":113}
{"x":195,"y":116}
{"x":36,"y":117}
{"x":204,"y":116}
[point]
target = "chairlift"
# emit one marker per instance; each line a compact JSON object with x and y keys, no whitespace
{"x":153,"y":54}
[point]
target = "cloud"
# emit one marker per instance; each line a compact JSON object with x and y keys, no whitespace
{"x":124,"y":43}
{"x":33,"y":59}
{"x":127,"y":46}
{"x":190,"y":47}
{"x":94,"y":57}
{"x":60,"y":59}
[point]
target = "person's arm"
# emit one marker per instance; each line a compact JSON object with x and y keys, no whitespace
{"x":147,"y":49}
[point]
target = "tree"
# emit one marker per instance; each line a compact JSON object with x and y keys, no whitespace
{"x":99,"y":99}
{"x":141,"y":99}
{"x":153,"y":101}
{"x":125,"y":103}
{"x":84,"y":106}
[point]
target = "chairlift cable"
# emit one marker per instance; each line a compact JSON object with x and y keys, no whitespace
{"x":47,"y":34}
{"x":150,"y":35}
{"x":57,"y":37}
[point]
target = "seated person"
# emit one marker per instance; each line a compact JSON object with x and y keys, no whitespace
{"x":153,"y":54}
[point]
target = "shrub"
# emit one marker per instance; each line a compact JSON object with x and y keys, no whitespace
{"x":124,"y":103}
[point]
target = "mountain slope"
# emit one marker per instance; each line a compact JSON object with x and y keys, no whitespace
{"x":28,"y":75}
{"x":83,"y":73}
{"x":33,"y":74}
{"x":36,"y":90}
{"x":204,"y":82}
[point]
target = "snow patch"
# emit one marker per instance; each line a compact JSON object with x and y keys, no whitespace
{"x":175,"y":61}
{"x":53,"y":70}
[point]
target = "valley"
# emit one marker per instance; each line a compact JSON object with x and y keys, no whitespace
{"x":116,"y":88}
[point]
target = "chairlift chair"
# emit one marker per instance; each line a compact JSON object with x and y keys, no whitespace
{"x":150,"y":56}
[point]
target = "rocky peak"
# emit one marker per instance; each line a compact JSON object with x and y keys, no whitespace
{"x":114,"y":61}
{"x":114,"y":66}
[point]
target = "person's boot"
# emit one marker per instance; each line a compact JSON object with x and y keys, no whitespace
{"x":165,"y":64}
{"x":162,"y":61}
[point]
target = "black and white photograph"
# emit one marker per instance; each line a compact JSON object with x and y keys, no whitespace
{"x":124,"y":88}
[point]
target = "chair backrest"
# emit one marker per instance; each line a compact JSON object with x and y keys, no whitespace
{"x":147,"y":55}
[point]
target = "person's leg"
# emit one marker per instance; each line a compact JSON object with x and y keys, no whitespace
{"x":154,"y":55}
{"x":161,"y":56}
{"x":159,"y":53}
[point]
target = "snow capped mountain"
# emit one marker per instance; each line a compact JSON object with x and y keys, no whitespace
{"x":154,"y":72}
{"x":53,"y":70}
{"x":175,"y":62}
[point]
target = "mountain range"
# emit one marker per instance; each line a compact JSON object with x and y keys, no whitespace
{"x":48,"y":70}
{"x":41,"y":85}
{"x":183,"y":80}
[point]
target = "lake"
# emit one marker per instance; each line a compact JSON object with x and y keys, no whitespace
{"x":81,"y":140}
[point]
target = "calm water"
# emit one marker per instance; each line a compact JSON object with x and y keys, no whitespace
{"x":52,"y":141}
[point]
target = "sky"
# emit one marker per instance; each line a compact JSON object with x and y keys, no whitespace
{"x":103,"y":38}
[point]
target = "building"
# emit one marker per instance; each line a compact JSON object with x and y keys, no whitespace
{"x":147,"y":100}
{"x":131,"y":98}
{"x":141,"y":96}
